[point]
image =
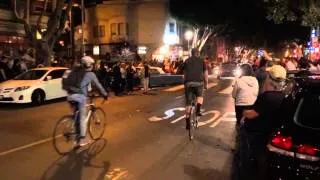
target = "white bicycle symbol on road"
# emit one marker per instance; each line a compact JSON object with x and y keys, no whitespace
{"x":215,"y":119}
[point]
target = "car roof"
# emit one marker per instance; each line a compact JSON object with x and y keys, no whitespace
{"x":50,"y":68}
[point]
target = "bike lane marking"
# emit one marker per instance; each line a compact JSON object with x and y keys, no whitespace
{"x":224,"y":117}
{"x":117,"y":173}
{"x":27,"y":146}
{"x":171,"y":113}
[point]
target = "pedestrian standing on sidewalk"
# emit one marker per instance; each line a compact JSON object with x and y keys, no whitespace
{"x":258,"y":124}
{"x":146,"y":77}
{"x":245,"y":91}
{"x":130,"y":77}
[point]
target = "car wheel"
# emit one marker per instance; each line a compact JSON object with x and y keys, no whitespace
{"x":38,"y":97}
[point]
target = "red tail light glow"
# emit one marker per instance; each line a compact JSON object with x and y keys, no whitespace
{"x":308,"y":150}
{"x":282,"y":142}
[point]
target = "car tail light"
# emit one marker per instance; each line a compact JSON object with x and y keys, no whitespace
{"x":307,"y":149}
{"x":283,"y":142}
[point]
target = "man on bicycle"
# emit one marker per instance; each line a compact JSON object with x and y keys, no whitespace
{"x":77,"y":82}
{"x":195,"y":79}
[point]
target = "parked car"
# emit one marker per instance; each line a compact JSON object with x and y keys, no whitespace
{"x":227,"y":70}
{"x":34,"y":86}
{"x":294,"y":147}
{"x":159,"y":78}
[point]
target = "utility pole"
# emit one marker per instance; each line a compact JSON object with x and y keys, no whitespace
{"x":82,"y":26}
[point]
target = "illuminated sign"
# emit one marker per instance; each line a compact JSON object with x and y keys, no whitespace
{"x":142,"y":50}
{"x":96,"y":50}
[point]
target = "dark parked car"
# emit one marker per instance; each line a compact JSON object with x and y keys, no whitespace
{"x":159,"y":78}
{"x":228,"y":69}
{"x":294,"y":147}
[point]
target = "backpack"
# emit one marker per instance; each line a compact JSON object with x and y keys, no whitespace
{"x":71,"y":80}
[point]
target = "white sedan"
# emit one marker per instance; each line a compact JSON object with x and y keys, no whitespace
{"x":34,"y":86}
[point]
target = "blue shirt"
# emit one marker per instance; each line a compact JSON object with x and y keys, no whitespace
{"x":88,"y":78}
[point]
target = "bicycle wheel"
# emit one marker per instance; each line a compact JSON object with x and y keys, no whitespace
{"x":64,"y":135}
{"x":193,"y":117}
{"x":97,"y":123}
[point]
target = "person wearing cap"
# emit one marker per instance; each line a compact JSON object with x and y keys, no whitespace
{"x":257,"y":123}
{"x":85,"y":77}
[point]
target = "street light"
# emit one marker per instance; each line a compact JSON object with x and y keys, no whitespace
{"x":188,"y":35}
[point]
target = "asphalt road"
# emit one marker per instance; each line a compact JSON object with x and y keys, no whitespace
{"x":145,"y":138}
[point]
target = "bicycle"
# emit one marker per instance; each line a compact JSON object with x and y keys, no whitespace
{"x":65,"y":134}
{"x":193,"y":118}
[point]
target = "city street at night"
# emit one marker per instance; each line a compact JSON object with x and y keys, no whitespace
{"x":145,"y":138}
{"x":159,"y":90}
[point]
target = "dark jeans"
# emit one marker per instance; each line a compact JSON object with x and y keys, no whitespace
{"x":239,"y":111}
{"x":252,"y":157}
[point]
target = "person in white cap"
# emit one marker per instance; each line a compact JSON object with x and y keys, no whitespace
{"x":257,"y":124}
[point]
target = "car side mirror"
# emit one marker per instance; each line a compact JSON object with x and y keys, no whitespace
{"x":48,"y":78}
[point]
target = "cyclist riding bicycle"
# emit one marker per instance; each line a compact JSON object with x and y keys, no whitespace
{"x":195,"y":80}
{"x":77,"y":82}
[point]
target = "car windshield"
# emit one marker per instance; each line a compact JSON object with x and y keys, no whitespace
{"x":308,"y":111}
{"x":31,"y":75}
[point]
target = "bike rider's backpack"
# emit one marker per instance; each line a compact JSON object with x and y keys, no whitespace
{"x":71,"y":81}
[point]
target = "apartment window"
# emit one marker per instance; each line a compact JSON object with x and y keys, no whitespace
{"x":114,"y":29}
{"x":95,"y":31}
{"x":171,"y":27}
{"x":122,"y":29}
{"x":37,"y":7}
{"x":127,"y":29}
{"x":102,"y":31}
{"x":99,"y":31}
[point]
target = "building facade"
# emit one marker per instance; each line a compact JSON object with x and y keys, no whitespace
{"x":12,"y":34}
{"x":142,"y":25}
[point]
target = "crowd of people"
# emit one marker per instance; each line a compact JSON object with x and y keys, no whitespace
{"x":13,"y":64}
{"x":122,"y":77}
{"x":258,"y":94}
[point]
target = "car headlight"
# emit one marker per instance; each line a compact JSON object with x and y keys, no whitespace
{"x":22,"y":88}
{"x":237,"y":72}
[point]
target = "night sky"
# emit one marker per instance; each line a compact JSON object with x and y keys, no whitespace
{"x":246,"y":21}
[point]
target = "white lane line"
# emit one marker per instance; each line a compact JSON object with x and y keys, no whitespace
{"x":27,"y":146}
{"x":178,"y":119}
{"x":179,"y":87}
{"x":179,"y":97}
{"x":120,"y":175}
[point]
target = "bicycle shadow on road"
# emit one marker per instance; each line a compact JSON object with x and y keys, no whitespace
{"x":72,"y":166}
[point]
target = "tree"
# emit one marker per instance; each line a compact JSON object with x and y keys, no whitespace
{"x":307,"y":12}
{"x":242,"y":22}
{"x":54,"y":28}
{"x":201,"y":33}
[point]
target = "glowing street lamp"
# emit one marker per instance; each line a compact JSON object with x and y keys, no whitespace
{"x":188,"y":35}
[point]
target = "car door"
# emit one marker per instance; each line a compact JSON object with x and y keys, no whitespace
{"x":54,"y":84}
